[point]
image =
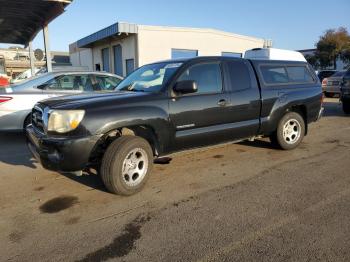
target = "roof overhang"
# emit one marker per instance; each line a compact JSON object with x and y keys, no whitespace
{"x":110,"y":31}
{"x":21,"y":20}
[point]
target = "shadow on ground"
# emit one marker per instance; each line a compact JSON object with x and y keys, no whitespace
{"x":14,"y":151}
{"x":332,"y":107}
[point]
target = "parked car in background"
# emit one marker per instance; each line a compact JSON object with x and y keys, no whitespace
{"x":325,"y":73}
{"x":24,"y":75}
{"x":3,"y":75}
{"x":17,"y":101}
{"x":172,"y":106}
{"x":345,"y":92}
{"x":331,"y":85}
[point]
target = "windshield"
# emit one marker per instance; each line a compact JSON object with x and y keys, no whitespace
{"x":149,"y":78}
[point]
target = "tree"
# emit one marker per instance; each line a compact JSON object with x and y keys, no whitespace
{"x":332,"y":45}
{"x":312,"y":60}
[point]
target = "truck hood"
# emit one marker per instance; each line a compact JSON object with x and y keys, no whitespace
{"x":79,"y":101}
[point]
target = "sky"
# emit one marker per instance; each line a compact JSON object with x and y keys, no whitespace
{"x":291,"y":24}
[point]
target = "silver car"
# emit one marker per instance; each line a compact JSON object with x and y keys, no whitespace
{"x":17,"y":101}
{"x":331,"y":85}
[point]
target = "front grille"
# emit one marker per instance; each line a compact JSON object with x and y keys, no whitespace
{"x":37,"y":119}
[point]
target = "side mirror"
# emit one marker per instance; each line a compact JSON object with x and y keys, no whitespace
{"x":186,"y":87}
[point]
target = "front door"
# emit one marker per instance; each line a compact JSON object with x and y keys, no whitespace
{"x":199,"y":119}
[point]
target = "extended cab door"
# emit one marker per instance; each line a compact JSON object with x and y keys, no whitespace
{"x":245,"y":99}
{"x":200,"y":118}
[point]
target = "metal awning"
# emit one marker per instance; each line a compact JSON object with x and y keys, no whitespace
{"x":110,"y":31}
{"x":21,"y":20}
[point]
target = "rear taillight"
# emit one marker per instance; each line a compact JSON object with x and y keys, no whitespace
{"x":4,"y":99}
{"x":324,"y":82}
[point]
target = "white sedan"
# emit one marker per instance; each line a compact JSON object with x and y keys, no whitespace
{"x":17,"y":101}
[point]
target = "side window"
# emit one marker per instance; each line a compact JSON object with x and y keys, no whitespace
{"x":274,"y":74}
{"x":207,"y":77}
{"x":239,"y":75}
{"x":183,"y":53}
{"x":107,"y":82}
{"x":231,"y":54}
{"x":68,"y":83}
{"x":52,"y":84}
{"x":299,"y":74}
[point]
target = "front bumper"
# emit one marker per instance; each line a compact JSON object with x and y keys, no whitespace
{"x":61,"y":154}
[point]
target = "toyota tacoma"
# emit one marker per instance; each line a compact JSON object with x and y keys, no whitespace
{"x":171,"y":106}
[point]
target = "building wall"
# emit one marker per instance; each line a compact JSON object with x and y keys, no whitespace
{"x":92,"y":56}
{"x":156,"y":43}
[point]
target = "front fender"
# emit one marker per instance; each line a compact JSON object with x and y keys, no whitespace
{"x":156,"y":118}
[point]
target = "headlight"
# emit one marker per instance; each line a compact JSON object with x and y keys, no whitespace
{"x":63,"y":121}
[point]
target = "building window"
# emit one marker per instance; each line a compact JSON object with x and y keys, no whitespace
{"x":105,"y":59}
{"x":183,"y":53}
{"x":130,"y":66}
{"x":232,"y":54}
{"x":118,"y":60}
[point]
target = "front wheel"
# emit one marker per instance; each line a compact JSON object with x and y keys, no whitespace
{"x":290,"y":131}
{"x":126,"y":165}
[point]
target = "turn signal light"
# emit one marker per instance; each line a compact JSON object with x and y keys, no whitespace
{"x":4,"y":99}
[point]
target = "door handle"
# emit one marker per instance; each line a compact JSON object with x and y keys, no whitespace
{"x":222,"y":103}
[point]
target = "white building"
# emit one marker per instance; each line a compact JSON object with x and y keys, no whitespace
{"x":122,"y":47}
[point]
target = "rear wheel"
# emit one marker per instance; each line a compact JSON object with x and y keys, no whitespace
{"x":290,"y":131}
{"x":126,"y":165}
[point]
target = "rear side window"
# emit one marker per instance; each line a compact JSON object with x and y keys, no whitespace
{"x":239,"y":75}
{"x":299,"y":74}
{"x":274,"y":75}
{"x":286,"y":74}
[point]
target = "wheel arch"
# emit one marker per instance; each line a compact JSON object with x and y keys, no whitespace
{"x":146,"y":132}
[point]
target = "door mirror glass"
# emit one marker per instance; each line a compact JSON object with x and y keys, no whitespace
{"x":186,"y":87}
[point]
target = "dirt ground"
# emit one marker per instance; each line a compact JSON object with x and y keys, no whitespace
{"x":236,"y":202}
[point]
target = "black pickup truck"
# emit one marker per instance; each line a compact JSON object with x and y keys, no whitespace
{"x":172,"y":106}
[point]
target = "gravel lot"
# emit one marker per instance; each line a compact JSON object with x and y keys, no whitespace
{"x":237,"y":202}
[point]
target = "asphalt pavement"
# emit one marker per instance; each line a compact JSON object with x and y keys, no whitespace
{"x":234,"y":202}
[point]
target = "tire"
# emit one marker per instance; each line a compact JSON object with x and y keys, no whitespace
{"x":346,"y":107}
{"x":127,"y":151}
{"x":290,"y":131}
